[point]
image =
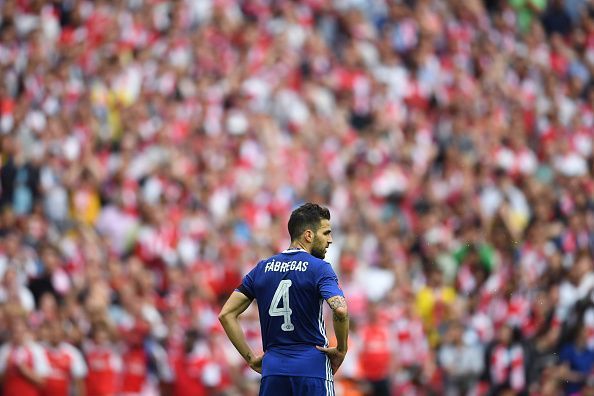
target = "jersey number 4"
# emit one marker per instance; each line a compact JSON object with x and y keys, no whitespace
{"x":282,"y":291}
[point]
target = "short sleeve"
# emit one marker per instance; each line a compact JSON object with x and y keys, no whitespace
{"x":115,"y":361}
{"x":328,"y":282}
{"x":247,"y":284}
{"x":4,"y":352}
{"x":78,"y":368}
{"x":41,"y":365}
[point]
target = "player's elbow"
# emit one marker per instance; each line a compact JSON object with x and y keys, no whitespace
{"x":224,"y":315}
{"x":341,"y":313}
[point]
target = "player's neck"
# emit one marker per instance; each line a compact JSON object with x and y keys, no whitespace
{"x":298,"y":245}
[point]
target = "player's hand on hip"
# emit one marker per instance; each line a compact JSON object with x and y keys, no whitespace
{"x":335,"y":355}
{"x":256,"y":363}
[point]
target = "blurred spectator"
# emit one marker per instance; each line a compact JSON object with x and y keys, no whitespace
{"x":576,"y":360}
{"x":434,"y":302}
{"x":13,"y":291}
{"x":23,"y":362}
{"x":376,"y":356}
{"x":144,"y":361}
{"x":51,"y":277}
{"x":542,"y":335}
{"x":578,"y":284}
{"x":67,"y":366}
{"x":526,"y":11}
{"x":505,"y":361}
{"x":556,"y":19}
{"x":104,"y":363}
{"x":193,"y":371}
{"x":461,"y":361}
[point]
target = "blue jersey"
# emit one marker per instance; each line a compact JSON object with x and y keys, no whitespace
{"x":290,"y":289}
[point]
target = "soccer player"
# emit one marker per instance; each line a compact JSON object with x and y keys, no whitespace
{"x":290,"y":289}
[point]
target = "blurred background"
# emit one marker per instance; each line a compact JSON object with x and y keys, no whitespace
{"x":152,"y":151}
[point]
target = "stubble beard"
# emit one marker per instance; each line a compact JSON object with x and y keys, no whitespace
{"x":318,"y":251}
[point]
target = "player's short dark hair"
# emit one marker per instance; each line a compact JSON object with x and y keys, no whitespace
{"x":307,"y":216}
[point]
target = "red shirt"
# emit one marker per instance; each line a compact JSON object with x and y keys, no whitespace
{"x":66,"y":363}
{"x":188,"y":375}
{"x":375,"y":356}
{"x":15,"y":383}
{"x":134,"y":370}
{"x":104,"y":368}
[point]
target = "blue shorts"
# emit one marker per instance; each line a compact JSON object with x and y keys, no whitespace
{"x":276,"y":385}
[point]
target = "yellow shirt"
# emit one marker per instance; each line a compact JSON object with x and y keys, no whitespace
{"x":432,"y":306}
{"x":85,"y":206}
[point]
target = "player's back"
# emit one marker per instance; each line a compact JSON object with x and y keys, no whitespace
{"x":290,"y":289}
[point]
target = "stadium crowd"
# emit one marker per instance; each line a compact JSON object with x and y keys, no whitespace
{"x":152,"y":150}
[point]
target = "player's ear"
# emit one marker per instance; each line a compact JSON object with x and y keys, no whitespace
{"x":308,"y":235}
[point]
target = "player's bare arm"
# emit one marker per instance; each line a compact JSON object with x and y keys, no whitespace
{"x":229,"y":318}
{"x":339,"y":308}
{"x":340,"y":318}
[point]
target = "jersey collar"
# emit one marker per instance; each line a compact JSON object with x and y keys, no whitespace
{"x":294,"y":250}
